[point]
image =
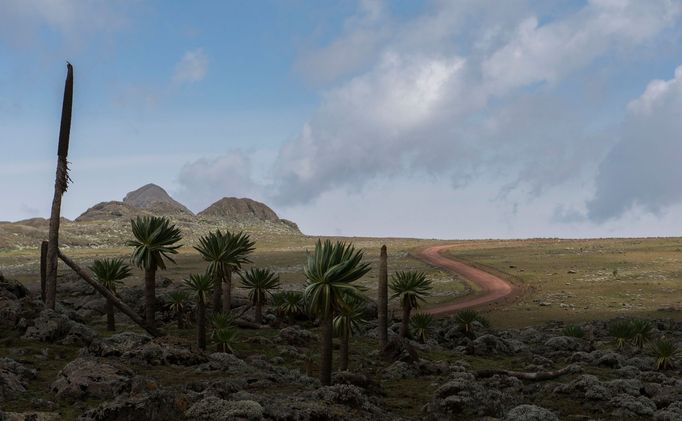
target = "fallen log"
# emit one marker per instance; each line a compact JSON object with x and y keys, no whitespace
{"x":532,"y":376}
{"x":110,"y":296}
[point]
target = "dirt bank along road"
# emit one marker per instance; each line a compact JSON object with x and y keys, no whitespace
{"x":492,"y":288}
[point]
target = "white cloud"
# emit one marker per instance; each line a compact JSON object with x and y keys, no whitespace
{"x":207,"y":180}
{"x":643,"y":171}
{"x":192,"y":67}
{"x":430,"y":104}
{"x":22,"y":21}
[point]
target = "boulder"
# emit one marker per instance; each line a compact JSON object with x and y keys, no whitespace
{"x":490,"y":345}
{"x":161,"y":352}
{"x":294,"y":335}
{"x":462,"y":396}
{"x":672,"y":412}
{"x":117,"y":345}
{"x":212,"y":408}
{"x":628,"y":406}
{"x":530,"y":413}
{"x":53,"y":326}
{"x":565,"y":344}
{"x":85,"y":378}
{"x":156,"y":405}
{"x":14,"y":378}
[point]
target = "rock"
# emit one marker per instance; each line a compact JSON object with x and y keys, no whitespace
{"x":53,"y":326}
{"x":118,"y":344}
{"x":530,"y":413}
{"x":160,"y":352}
{"x":222,"y":361}
{"x":156,"y":405}
{"x":628,"y":406}
{"x":359,"y":380}
{"x":586,"y":387}
{"x":399,"y":370}
{"x":344,"y":394}
{"x":490,"y":344}
{"x":399,"y":349}
{"x":463,"y":396}
{"x":14,"y":378}
{"x":671,"y":413}
{"x":610,"y":360}
{"x":565,"y":343}
{"x":85,"y":378}
{"x":294,"y":335}
{"x":30,"y":416}
{"x":212,"y":408}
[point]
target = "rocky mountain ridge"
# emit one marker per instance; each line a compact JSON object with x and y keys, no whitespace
{"x":107,"y":224}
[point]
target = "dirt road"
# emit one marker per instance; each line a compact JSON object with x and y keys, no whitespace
{"x":492,"y":288}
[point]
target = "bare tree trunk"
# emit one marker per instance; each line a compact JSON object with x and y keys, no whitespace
{"x":258,"y":313}
{"x":383,"y":299}
{"x":227,"y":290}
{"x":343,"y":351}
{"x":111,"y":320}
{"x":108,"y":295}
{"x":405,"y":322}
{"x":534,"y":376}
{"x":43,"y":269}
{"x":60,"y":186}
{"x":150,"y":295}
{"x":181,"y":324}
{"x":201,"y":324}
{"x":217,"y":302}
{"x":326,"y":330}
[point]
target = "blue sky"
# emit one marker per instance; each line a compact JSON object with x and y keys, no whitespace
{"x":448,"y":119}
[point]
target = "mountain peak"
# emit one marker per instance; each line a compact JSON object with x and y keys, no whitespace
{"x":151,"y":196}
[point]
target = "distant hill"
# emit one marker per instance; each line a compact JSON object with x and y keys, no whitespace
{"x":153,"y":197}
{"x":107,"y":224}
{"x":243,"y":209}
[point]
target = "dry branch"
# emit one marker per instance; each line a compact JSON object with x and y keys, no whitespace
{"x":533,"y":376}
{"x":110,"y":296}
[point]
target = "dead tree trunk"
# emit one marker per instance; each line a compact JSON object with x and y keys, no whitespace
{"x":60,"y":186}
{"x":110,"y":296}
{"x":43,"y":269}
{"x":534,"y":376}
{"x":383,"y":299}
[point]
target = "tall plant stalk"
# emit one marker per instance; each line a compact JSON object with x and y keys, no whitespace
{"x":383,"y":299}
{"x":60,"y":186}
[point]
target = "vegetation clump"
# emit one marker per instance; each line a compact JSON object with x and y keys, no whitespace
{"x":410,"y":288}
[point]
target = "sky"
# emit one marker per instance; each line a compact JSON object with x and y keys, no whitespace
{"x":406,"y":118}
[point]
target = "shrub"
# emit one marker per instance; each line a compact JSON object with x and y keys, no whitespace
{"x":421,"y":325}
{"x":666,"y":352}
{"x":641,"y":332}
{"x":622,"y":332}
{"x":573,"y":331}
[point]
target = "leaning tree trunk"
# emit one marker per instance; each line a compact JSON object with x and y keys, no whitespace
{"x":258,"y":312}
{"x":123,"y":307}
{"x":405,"y":322}
{"x":111,"y":320}
{"x":343,"y":351}
{"x":227,"y":290}
{"x":383,"y":299}
{"x":326,"y":331}
{"x":60,"y":186}
{"x":201,"y":324}
{"x":150,"y":294}
{"x":43,"y":269}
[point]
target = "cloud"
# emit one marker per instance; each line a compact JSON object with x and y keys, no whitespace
{"x":23,"y":22}
{"x":206,"y":180}
{"x":487,"y":107}
{"x":643,"y":171}
{"x":192,"y":67}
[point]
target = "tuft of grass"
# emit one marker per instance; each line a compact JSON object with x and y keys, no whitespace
{"x":467,"y":320}
{"x":622,"y":332}
{"x":421,"y":323}
{"x":641,"y":332}
{"x":666,"y":352}
{"x":573,"y":331}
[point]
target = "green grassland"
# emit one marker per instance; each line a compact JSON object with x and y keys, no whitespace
{"x":576,"y":280}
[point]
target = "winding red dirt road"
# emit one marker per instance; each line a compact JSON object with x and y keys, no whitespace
{"x":492,"y":288}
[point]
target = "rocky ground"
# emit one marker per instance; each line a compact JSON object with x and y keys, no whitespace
{"x":62,"y":364}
